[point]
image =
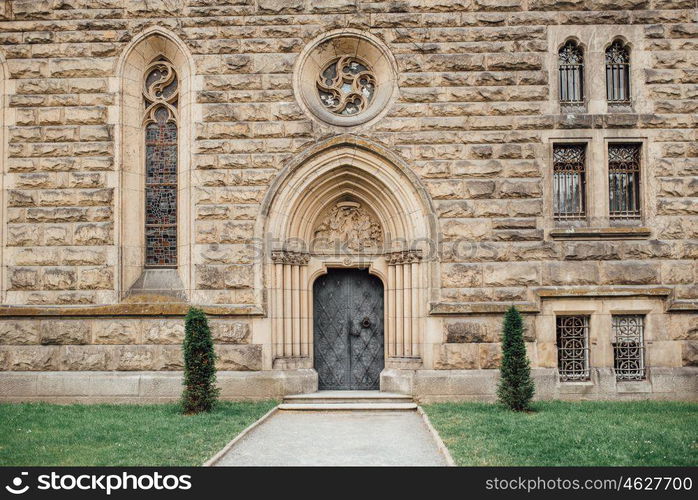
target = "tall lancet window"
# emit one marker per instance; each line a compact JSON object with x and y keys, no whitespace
{"x":571,"y":68}
{"x":618,"y":74}
{"x":160,"y":93}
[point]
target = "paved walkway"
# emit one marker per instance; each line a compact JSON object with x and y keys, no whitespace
{"x":337,"y":438}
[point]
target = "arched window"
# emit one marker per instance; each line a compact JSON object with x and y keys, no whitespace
{"x":160,"y":93}
{"x":618,"y":73}
{"x":571,"y":67}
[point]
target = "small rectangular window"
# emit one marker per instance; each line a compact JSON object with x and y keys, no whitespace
{"x":628,"y":347}
{"x":569,"y":181}
{"x":624,"y":181}
{"x":573,"y":347}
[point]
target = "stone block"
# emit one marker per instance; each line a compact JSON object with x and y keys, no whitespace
{"x":116,"y":331}
{"x":83,"y":357}
{"x":689,"y":353}
{"x":511,"y":274}
{"x":467,"y":331}
{"x":567,"y":274}
{"x":19,"y":332}
{"x":490,"y":356}
{"x":683,"y":326}
{"x":461,"y":275}
{"x":230,"y":332}
{"x":34,"y":358}
{"x":239,"y":357}
{"x":163,"y":331}
{"x":456,"y":356}
{"x":629,"y":273}
{"x":65,"y":331}
{"x":134,"y":357}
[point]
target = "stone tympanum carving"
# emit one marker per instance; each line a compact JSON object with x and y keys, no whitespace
{"x":349,"y":225}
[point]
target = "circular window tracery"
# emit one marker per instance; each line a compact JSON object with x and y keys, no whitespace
{"x":346,"y":86}
{"x":345,"y":78}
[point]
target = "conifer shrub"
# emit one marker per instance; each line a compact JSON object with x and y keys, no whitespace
{"x":200,"y":392}
{"x":516,"y":386}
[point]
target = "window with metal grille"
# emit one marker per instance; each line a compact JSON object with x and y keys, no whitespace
{"x":569,"y":181}
{"x":628,"y":347}
{"x":160,"y":93}
{"x":624,"y":181}
{"x":573,"y":347}
{"x":571,"y":79}
{"x":618,"y":74}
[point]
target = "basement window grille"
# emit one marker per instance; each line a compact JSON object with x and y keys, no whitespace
{"x":573,"y":348}
{"x":628,"y":347}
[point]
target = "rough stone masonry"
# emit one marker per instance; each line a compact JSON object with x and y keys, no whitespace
{"x":465,"y":115}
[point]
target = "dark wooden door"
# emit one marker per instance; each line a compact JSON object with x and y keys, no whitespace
{"x":348,"y":330}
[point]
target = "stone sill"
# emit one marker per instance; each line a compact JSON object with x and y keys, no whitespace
{"x":440,"y":308}
{"x":603,"y":291}
{"x":158,"y":309}
{"x":601,"y":233}
{"x":683,"y":305}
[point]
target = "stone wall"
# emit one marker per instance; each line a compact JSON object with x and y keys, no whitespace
{"x":475,"y":117}
{"x":117,"y":344}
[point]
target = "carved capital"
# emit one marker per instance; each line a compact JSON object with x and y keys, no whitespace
{"x":290,"y":257}
{"x":404,"y":257}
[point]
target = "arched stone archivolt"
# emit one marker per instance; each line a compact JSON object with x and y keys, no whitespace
{"x":347,"y":203}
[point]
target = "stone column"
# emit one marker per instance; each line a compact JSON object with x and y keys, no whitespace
{"x":404,"y":292}
{"x":289,"y":310}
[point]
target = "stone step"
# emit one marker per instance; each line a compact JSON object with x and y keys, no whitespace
{"x":348,"y":406}
{"x":342,"y":397}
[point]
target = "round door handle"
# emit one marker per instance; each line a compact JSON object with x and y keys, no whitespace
{"x":366,"y":322}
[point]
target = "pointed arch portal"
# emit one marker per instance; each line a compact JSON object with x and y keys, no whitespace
{"x":348,"y":204}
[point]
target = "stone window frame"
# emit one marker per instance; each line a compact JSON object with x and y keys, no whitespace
{"x":598,"y":223}
{"x":127,"y":118}
{"x":661,"y":350}
{"x":594,"y":39}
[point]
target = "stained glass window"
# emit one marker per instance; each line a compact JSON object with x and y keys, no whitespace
{"x":160,"y":94}
{"x":571,"y":81}
{"x":569,"y":181}
{"x":618,"y":74}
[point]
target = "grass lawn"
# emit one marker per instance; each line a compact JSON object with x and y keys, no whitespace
{"x":649,"y":433}
{"x":120,"y":435}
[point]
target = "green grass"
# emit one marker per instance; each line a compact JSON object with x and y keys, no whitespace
{"x":557,"y":433}
{"x":119,"y":435}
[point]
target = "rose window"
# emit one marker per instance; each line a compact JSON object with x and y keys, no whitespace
{"x":346,"y":86}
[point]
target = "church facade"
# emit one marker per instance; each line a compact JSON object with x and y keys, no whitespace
{"x":353,"y":191}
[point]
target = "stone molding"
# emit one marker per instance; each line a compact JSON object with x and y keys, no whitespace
{"x":290,"y":257}
{"x":404,"y":257}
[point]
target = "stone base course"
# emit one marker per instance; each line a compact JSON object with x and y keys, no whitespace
{"x":146,"y":386}
{"x":428,"y":386}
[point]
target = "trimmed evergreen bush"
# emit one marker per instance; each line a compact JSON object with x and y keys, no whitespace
{"x":200,"y":393}
{"x":515,"y":385}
